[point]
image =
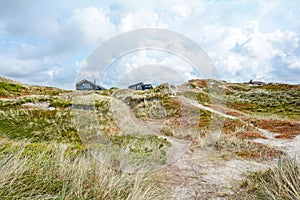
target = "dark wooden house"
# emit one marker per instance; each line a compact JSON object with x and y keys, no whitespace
{"x":140,"y":86}
{"x":256,"y":82}
{"x":88,"y":85}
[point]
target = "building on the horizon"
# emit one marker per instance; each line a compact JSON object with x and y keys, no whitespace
{"x":140,"y":86}
{"x":88,"y":85}
{"x":256,"y":82}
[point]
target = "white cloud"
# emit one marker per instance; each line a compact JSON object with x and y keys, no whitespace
{"x":293,"y":62}
{"x":161,"y":66}
{"x":247,"y":52}
{"x":245,"y":39}
{"x":18,"y":67}
{"x":181,"y":11}
{"x":89,"y":24}
{"x":85,"y":27}
{"x":139,"y":19}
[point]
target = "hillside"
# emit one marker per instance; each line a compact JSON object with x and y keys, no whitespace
{"x":202,"y":138}
{"x":10,"y":88}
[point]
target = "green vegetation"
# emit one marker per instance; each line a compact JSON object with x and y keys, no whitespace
{"x":38,"y":125}
{"x":143,"y":146}
{"x":205,"y":119}
{"x":155,"y":103}
{"x":282,"y":100}
{"x":8,"y":89}
{"x":232,"y":146}
{"x":51,"y":174}
{"x":279,"y":87}
{"x":60,"y":103}
{"x":14,"y":103}
{"x":201,"y":96}
{"x":281,"y":182}
{"x":43,"y":157}
{"x":237,"y":87}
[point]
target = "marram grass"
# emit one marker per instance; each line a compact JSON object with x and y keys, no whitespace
{"x":281,"y":182}
{"x":54,"y":174}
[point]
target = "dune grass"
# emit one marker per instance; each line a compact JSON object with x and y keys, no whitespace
{"x":7,"y":89}
{"x":233,"y":146}
{"x":42,"y":156}
{"x":280,"y":182}
{"x":54,"y":174}
{"x":38,"y":125}
{"x":281,"y":100}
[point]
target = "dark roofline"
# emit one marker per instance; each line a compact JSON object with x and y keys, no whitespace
{"x":140,"y":83}
{"x":84,"y":80}
{"x":257,"y":82}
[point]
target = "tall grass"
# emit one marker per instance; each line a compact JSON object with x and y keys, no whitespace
{"x":38,"y":125}
{"x":53,"y":174}
{"x":281,"y":182}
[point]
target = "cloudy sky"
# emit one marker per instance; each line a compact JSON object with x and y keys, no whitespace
{"x":45,"y":42}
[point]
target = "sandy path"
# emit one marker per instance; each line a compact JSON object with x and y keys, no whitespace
{"x":196,"y":174}
{"x":217,"y":175}
{"x":199,"y":176}
{"x":196,"y":104}
{"x":290,"y":146}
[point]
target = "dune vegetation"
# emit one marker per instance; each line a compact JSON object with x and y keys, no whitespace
{"x":44,"y":156}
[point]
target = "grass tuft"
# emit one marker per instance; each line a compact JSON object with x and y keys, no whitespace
{"x":281,"y":182}
{"x":52,"y":174}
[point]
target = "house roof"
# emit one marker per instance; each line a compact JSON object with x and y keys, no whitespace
{"x":86,"y":81}
{"x":257,"y":82}
{"x":133,"y":85}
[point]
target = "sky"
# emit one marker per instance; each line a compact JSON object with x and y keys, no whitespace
{"x":46,"y":42}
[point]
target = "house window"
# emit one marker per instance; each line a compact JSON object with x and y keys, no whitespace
{"x":86,"y":86}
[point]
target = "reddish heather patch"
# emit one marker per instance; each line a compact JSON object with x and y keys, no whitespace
{"x":226,"y":110}
{"x":250,"y":135}
{"x":286,"y":129}
{"x":258,"y":151}
{"x":235,"y":113}
{"x":183,"y":122}
{"x":198,"y":82}
{"x":230,"y":126}
{"x":27,"y":107}
{"x":285,"y":136}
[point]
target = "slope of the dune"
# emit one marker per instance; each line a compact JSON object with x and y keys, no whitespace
{"x":253,"y":125}
{"x":10,"y":89}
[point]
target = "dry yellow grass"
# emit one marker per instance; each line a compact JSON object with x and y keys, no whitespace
{"x":54,"y":174}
